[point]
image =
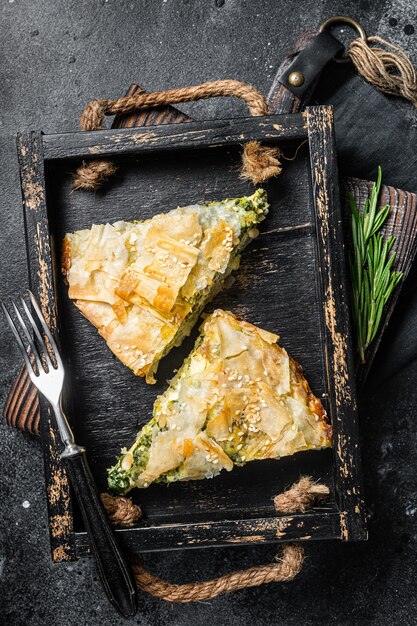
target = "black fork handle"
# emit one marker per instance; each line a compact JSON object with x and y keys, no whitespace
{"x":114,"y":571}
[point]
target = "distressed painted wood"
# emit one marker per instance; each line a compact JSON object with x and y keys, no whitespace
{"x":313,"y":525}
{"x":280,"y":282}
{"x":339,"y":353}
{"x":185,"y":136}
{"x":31,"y":163}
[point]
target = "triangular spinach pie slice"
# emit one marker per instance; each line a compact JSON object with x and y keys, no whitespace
{"x":144,"y":284}
{"x":238,"y":397}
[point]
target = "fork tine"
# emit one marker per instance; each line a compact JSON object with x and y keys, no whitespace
{"x":46,"y":329}
{"x":35,"y":329}
{"x":19,"y":341}
{"x":28,"y":335}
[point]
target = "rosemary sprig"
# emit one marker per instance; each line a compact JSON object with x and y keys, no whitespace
{"x":373,"y":281}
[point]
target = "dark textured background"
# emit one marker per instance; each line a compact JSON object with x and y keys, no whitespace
{"x":55,"y":55}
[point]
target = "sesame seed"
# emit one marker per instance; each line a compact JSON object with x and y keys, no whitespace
{"x":173,"y":427}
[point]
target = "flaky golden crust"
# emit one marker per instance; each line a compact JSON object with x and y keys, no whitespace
{"x":238,"y":397}
{"x":312,"y":401}
{"x":143,"y":284}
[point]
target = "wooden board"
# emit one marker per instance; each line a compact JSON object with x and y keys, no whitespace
{"x":291,"y":281}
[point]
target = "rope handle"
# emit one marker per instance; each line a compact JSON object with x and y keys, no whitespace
{"x":387,"y":67}
{"x":299,"y":498}
{"x":258,"y":162}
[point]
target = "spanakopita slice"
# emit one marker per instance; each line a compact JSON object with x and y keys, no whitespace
{"x":238,"y":397}
{"x":144,"y":284}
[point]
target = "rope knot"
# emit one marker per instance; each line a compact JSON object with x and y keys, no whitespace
{"x":121,"y":511}
{"x":91,"y":175}
{"x":260,"y":162}
{"x":301,"y":496}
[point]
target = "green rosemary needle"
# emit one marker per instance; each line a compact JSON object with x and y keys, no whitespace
{"x":373,"y":281}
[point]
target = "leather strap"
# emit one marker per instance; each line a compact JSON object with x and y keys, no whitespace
{"x":309,"y":63}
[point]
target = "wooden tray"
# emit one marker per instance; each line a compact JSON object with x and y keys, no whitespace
{"x":291,"y":280}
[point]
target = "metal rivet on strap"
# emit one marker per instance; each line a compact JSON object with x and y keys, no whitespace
{"x":296,"y":79}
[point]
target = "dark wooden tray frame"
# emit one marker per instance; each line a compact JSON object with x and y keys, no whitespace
{"x":345,"y":519}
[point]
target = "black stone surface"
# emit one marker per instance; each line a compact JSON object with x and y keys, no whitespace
{"x":55,"y":56}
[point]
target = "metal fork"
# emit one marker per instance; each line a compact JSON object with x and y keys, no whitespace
{"x":47,"y":374}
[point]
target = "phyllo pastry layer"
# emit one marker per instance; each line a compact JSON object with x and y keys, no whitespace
{"x":144,"y":284}
{"x":237,"y":398}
